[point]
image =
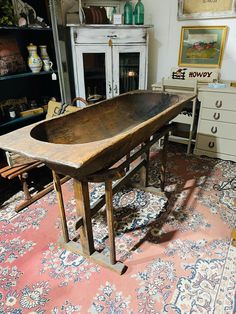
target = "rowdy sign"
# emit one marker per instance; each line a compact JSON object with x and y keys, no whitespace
{"x":201,"y":74}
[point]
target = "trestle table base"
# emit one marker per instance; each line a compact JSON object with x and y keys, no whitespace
{"x":85,"y":212}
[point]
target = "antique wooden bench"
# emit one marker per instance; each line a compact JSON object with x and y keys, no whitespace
{"x":19,"y":166}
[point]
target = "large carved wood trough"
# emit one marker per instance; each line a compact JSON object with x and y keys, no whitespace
{"x":90,"y":145}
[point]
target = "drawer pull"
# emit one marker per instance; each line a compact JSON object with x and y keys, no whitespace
{"x":111,"y":36}
{"x":216,"y":116}
{"x":218,"y":103}
{"x":214,"y":129}
{"x":211,"y":144}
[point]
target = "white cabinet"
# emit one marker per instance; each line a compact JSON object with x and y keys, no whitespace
{"x":109,"y":60}
{"x":216,"y":134}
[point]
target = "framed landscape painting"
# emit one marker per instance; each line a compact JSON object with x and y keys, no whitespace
{"x":206,"y":9}
{"x":202,"y":46}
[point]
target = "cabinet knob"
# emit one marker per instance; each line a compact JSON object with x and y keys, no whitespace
{"x":214,"y":129}
{"x":216,"y":116}
{"x":109,"y":88}
{"x":211,"y":144}
{"x":218,"y":103}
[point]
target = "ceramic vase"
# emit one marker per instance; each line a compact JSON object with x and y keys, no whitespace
{"x":47,"y":64}
{"x":43,"y":52}
{"x":34,"y":61}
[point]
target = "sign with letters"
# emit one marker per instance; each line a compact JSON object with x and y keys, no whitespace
{"x":201,"y":74}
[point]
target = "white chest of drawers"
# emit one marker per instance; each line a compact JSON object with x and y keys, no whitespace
{"x":216,"y":133}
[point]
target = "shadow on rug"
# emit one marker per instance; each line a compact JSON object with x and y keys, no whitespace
{"x":180,"y":258}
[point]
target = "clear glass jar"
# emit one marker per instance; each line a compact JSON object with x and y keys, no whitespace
{"x":12,"y":113}
{"x":139,"y":13}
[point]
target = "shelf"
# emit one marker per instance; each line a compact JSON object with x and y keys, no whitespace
{"x":105,"y":26}
{"x":25,"y":28}
{"x":26,"y":74}
{"x":22,"y":85}
{"x":20,"y":122}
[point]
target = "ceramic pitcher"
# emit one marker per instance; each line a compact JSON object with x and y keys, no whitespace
{"x":47,"y":65}
{"x":34,"y":61}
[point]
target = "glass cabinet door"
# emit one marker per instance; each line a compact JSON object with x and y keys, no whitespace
{"x":129,"y":69}
{"x":93,"y":78}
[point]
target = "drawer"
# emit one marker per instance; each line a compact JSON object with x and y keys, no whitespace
{"x":216,"y":100}
{"x":218,"y":115}
{"x":217,"y":129}
{"x":213,"y":144}
{"x":102,"y":36}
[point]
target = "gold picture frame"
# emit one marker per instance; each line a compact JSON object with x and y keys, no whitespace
{"x":205,"y":9}
{"x":202,"y":46}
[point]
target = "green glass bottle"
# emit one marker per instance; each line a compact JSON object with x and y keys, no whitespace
{"x":112,"y":14}
{"x":139,"y":13}
{"x":128,"y":13}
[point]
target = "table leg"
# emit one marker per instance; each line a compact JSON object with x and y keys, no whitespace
{"x":85,"y":245}
{"x":61,"y":208}
{"x":83,"y":210}
{"x":110,"y":221}
{"x":144,"y":171}
{"x":163,"y":161}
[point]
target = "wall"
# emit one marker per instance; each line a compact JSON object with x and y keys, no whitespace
{"x":165,"y":38}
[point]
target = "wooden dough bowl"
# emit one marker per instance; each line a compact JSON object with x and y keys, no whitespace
{"x":97,"y":136}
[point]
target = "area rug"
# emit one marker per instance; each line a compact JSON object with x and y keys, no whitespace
{"x":180,"y":258}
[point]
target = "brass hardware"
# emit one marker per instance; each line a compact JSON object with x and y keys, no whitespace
{"x":214,"y":130}
{"x":111,"y":36}
{"x":218,"y":103}
{"x":110,"y":39}
{"x":211,"y":144}
{"x":216,"y":116}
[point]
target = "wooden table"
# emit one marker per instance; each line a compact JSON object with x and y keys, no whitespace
{"x":86,"y":145}
{"x":120,"y":173}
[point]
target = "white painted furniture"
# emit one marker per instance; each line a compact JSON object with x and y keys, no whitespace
{"x":180,"y":86}
{"x":109,"y":59}
{"x":216,"y":133}
{"x":216,"y":126}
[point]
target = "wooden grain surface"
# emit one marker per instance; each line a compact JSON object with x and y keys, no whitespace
{"x":95,"y":137}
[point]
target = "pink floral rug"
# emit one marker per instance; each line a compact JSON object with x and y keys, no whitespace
{"x":182,"y":262}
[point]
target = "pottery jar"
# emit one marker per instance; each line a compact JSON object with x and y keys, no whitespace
{"x":43,"y":52}
{"x":34,"y":61}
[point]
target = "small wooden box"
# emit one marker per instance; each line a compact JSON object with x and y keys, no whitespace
{"x":31,"y":112}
